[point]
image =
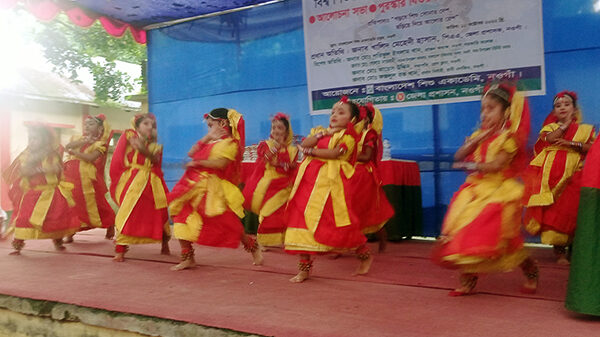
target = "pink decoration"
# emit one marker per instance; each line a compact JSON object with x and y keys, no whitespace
{"x":79,"y":17}
{"x":561,"y":94}
{"x":47,"y":10}
{"x":139,"y":35}
{"x":363,"y":113}
{"x":43,"y":10}
{"x":281,"y":115}
{"x":113,"y":27}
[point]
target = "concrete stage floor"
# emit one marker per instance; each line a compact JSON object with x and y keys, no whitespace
{"x":403,"y":295}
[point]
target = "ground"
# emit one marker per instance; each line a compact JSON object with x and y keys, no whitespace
{"x":403,"y":295}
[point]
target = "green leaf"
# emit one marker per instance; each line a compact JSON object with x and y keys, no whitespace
{"x":70,"y":48}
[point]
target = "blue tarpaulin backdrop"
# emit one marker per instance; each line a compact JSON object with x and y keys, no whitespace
{"x":140,"y":13}
{"x":253,"y":61}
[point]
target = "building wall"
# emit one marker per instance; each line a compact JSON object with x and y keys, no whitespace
{"x":66,"y":117}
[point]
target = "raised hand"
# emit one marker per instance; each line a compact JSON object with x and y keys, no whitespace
{"x":483,"y":135}
{"x":215,"y":133}
{"x":136,"y":143}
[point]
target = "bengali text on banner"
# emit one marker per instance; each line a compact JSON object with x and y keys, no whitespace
{"x":420,"y":52}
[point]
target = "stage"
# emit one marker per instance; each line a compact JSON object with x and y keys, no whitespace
{"x":403,"y":295}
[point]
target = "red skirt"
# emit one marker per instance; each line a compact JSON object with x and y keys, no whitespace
{"x":276,"y":222}
{"x":251,"y":183}
{"x":482,"y":228}
{"x":482,"y":238}
{"x":370,"y":202}
{"x":105,"y":211}
{"x":59,"y":217}
{"x":224,"y":230}
{"x":145,"y":221}
{"x":327,"y":232}
{"x":561,"y":216}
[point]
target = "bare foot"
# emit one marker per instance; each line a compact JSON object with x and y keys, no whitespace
{"x":462,"y":291}
{"x":530,"y":286}
{"x":15,"y":252}
{"x":58,"y":246}
{"x":257,"y":258}
{"x":562,"y":260}
{"x":185,"y":264}
{"x":364,"y":266}
{"x":110,"y":233}
{"x":303,"y":275}
{"x":68,"y":239}
{"x":119,"y":257}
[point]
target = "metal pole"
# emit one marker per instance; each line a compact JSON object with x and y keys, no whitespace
{"x":178,"y":21}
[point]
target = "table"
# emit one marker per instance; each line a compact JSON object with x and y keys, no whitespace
{"x":402,"y":186}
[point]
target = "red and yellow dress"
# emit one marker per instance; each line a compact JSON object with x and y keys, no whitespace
{"x":42,"y":202}
{"x":138,"y":187}
{"x":481,"y":232}
{"x":206,"y":206}
{"x":552,"y":194}
{"x":370,"y":204}
{"x":267,"y":191}
{"x":320,"y":214}
{"x":91,"y":206}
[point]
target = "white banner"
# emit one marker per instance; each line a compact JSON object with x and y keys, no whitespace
{"x":419,"y":52}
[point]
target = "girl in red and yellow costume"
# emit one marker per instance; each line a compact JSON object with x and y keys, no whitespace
{"x":268,"y":189}
{"x":320,"y":216}
{"x":42,"y":199}
{"x":85,"y":169}
{"x":138,"y":187}
{"x":552,"y":194}
{"x":371,"y":205}
{"x":206,"y":204}
{"x":481,"y":232}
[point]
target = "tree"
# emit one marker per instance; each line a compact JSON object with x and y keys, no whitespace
{"x":70,"y":48}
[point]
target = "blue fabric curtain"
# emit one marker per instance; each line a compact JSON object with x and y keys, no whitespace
{"x":198,"y":66}
{"x":194,"y":68}
{"x":242,"y":26}
{"x":140,"y":13}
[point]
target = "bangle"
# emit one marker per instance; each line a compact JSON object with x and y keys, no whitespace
{"x":308,"y":151}
{"x":319,"y":135}
{"x":471,"y":166}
